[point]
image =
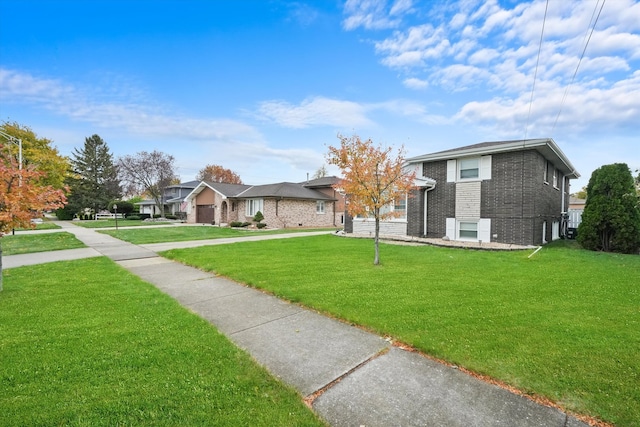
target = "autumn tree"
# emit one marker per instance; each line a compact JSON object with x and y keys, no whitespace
{"x":94,"y":181}
{"x":147,"y":172}
{"x":216,"y":173}
{"x":22,"y":194}
{"x":373,"y":178}
{"x":611,"y":217}
{"x":38,"y":154}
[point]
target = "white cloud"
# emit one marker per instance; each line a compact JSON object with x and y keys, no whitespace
{"x":318,"y":111}
{"x":375,"y":14}
{"x":68,"y":101}
{"x":414,"y":83}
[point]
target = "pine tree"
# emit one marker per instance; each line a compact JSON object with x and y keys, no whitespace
{"x":611,"y":218}
{"x":95,"y":179}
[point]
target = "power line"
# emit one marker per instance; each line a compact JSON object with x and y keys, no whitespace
{"x":535,"y":74}
{"x":566,"y":91}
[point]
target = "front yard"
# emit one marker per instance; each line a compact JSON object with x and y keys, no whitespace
{"x":563,"y":325}
{"x":85,"y":343}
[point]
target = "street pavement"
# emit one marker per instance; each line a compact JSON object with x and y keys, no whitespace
{"x":350,"y":376}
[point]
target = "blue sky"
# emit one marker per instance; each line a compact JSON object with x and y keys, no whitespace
{"x":263,"y":87}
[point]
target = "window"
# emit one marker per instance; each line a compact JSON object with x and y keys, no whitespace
{"x":469,"y":168}
{"x":555,"y":177}
{"x":469,"y":230}
{"x":400,"y":207}
{"x":252,"y":206}
{"x":320,"y":207}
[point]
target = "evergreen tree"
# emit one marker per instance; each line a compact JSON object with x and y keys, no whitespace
{"x":95,"y":179}
{"x":611,"y":217}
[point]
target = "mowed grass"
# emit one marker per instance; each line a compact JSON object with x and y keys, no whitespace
{"x":41,"y":226}
{"x":195,"y":232}
{"x":109,"y":223}
{"x":29,"y":243}
{"x":564,"y":324}
{"x":85,"y":343}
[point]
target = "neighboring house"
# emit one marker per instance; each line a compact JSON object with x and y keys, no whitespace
{"x":506,"y":191}
{"x":326,"y":186}
{"x":576,"y":207}
{"x":174,"y":196}
{"x":283,"y":204}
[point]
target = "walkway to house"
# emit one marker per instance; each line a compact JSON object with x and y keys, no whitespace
{"x":350,"y":377}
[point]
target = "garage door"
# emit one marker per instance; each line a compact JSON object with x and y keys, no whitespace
{"x":204,"y":214}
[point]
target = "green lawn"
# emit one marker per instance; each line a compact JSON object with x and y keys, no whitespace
{"x":85,"y":343}
{"x":111,"y":223}
{"x":564,"y":324}
{"x":28,"y":243}
{"x":180,"y":234}
{"x":41,"y":226}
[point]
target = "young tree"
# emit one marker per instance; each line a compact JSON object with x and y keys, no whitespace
{"x":95,"y":178}
{"x":216,"y":173}
{"x":321,"y":172}
{"x":22,"y":195}
{"x":149,"y":173}
{"x":611,"y":217}
{"x":372,"y":179}
{"x":38,"y":154}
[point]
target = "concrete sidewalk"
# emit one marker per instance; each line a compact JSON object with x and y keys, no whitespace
{"x":352,"y":377}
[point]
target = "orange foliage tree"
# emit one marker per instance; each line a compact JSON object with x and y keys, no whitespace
{"x":22,"y":196}
{"x":216,"y":173}
{"x":372,"y":179}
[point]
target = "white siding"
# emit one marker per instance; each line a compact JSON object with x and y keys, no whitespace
{"x":468,"y":200}
{"x":387,"y":228}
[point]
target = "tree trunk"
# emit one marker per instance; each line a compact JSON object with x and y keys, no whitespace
{"x":376,"y":259}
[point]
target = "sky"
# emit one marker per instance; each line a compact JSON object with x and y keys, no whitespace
{"x":263,"y":87}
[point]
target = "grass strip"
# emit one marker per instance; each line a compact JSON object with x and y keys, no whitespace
{"x":85,"y":343}
{"x":187,"y":233}
{"x":111,"y":223}
{"x":564,"y":324}
{"x":29,"y":243}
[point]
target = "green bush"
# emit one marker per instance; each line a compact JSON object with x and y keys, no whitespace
{"x":245,"y":224}
{"x":133,"y":217}
{"x":156,"y":216}
{"x":258,"y":217}
{"x":235,"y":224}
{"x":261,"y":225}
{"x":65,"y":213}
{"x":124,"y":207}
{"x":171,"y":217}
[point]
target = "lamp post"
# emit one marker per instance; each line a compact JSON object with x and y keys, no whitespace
{"x":17,"y":141}
{"x":115,"y":208}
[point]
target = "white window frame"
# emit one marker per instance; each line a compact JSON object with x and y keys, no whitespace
{"x":555,"y":178}
{"x":467,"y":228}
{"x":320,"y":206}
{"x":252,"y":206}
{"x":460,"y":169}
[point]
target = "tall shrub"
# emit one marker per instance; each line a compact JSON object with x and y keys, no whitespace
{"x":611,"y":217}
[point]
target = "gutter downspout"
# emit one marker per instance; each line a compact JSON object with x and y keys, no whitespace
{"x":426,"y":190}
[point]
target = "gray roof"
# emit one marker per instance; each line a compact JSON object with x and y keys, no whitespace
{"x":545,"y":146}
{"x":228,"y":190}
{"x":188,"y":184}
{"x":326,"y":181}
{"x":284,"y":190}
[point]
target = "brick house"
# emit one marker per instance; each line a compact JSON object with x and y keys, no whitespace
{"x":283,"y":205}
{"x":326,"y":185}
{"x":506,"y":191}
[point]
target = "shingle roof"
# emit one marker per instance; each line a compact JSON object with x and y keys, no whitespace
{"x":326,"y":181}
{"x":285,"y":190}
{"x":545,"y":146}
{"x":229,"y":190}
